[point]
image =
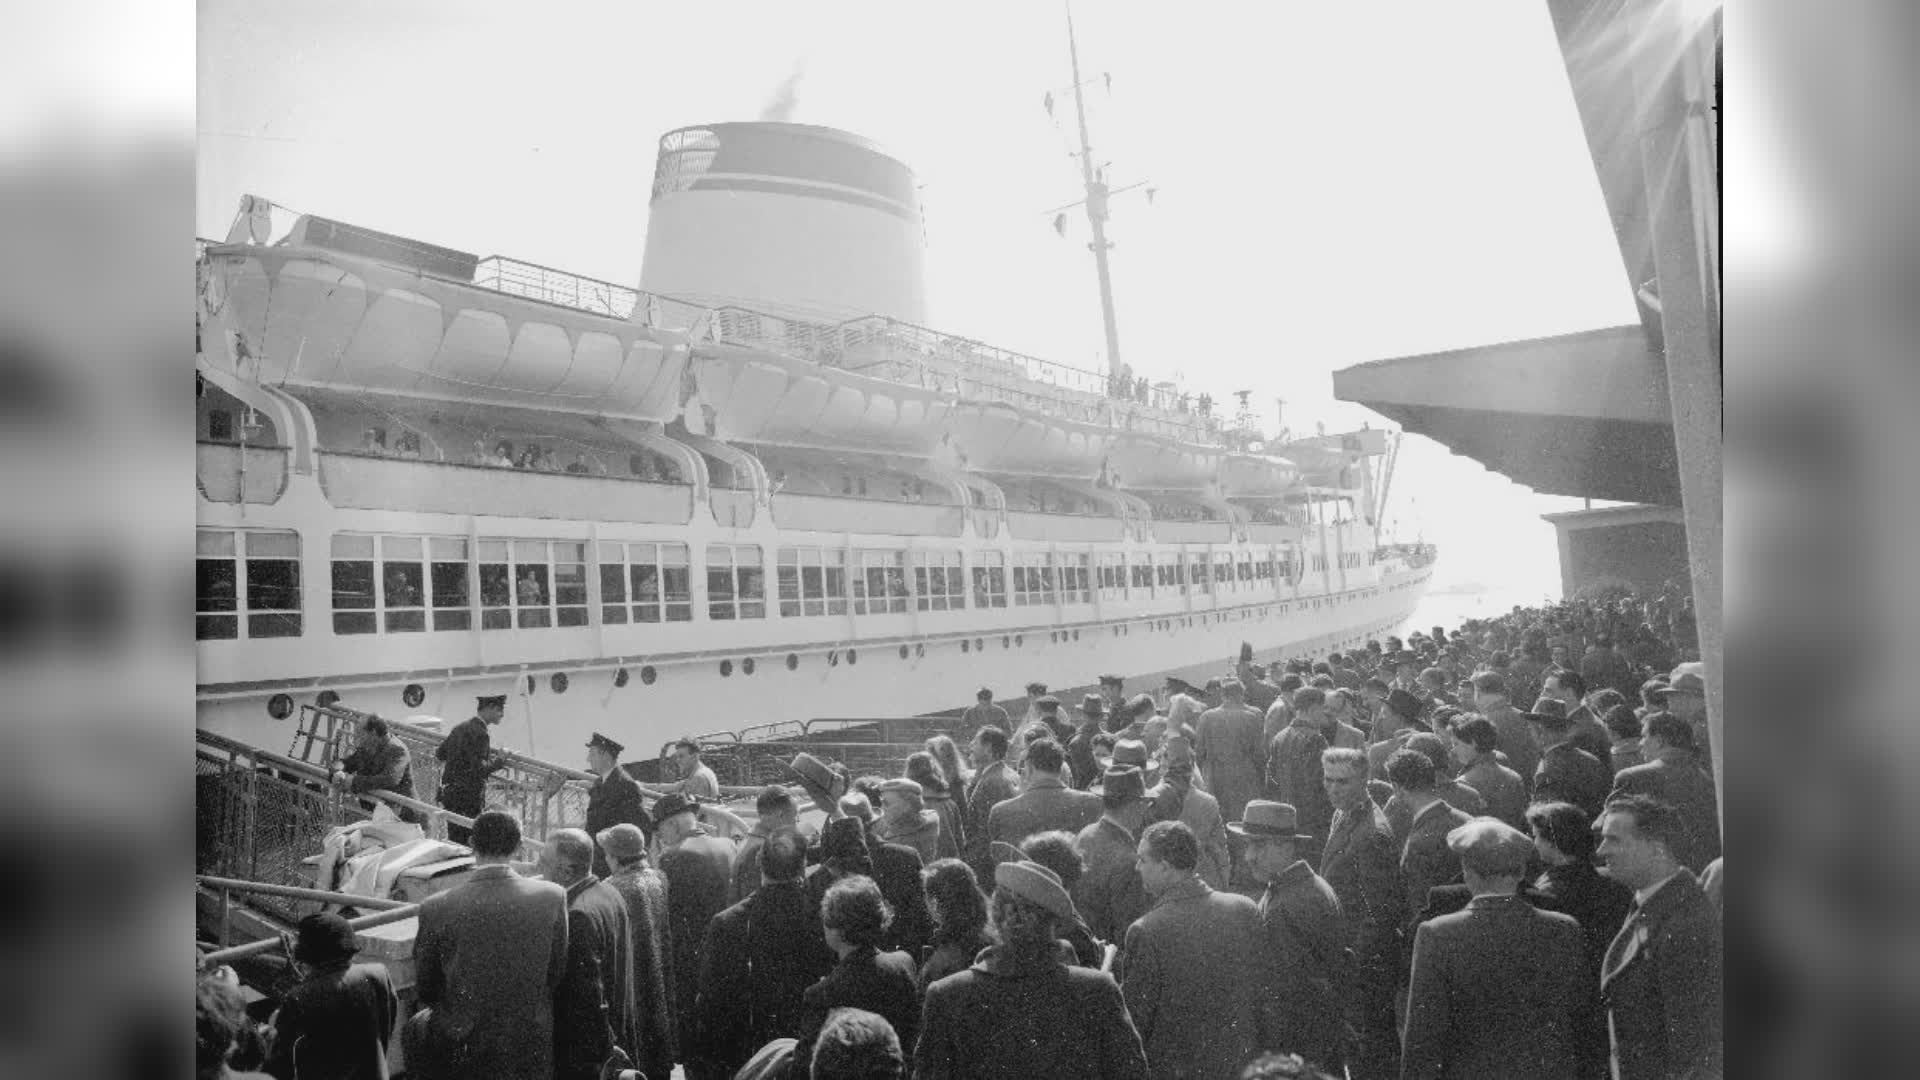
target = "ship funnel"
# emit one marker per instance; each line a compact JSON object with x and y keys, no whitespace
{"x":788,"y":219}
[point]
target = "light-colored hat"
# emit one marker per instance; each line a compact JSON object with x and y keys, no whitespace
{"x":1035,"y":883}
{"x":814,"y":775}
{"x":901,"y":783}
{"x":1491,"y":847}
{"x":622,"y":841}
{"x":1688,"y":678}
{"x":1130,"y":752}
{"x":1124,"y":781}
{"x":1263,"y":819}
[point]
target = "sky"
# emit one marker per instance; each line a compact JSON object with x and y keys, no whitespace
{"x":1335,"y":183}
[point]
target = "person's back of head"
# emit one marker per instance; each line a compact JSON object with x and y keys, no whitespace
{"x":783,"y":857}
{"x":1044,"y":755}
{"x":855,"y":1044}
{"x":1673,"y":732}
{"x":496,"y":835}
{"x":220,"y":1016}
{"x":1055,"y":850}
{"x":1410,"y":770}
{"x":774,"y":801}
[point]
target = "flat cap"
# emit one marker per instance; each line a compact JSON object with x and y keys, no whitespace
{"x":1491,"y":847}
{"x":1036,"y":884}
{"x":675,"y":803}
{"x":495,"y":701}
{"x":1093,"y":705}
{"x":1047,"y":701}
{"x":901,"y":783}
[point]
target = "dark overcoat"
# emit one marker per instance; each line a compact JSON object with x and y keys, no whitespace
{"x":1676,"y":778}
{"x":886,"y":983}
{"x":991,"y":786}
{"x":1003,"y":1019}
{"x":1193,"y":982}
{"x":1497,"y":991}
{"x":488,"y":956}
{"x":1308,"y":958}
{"x":657,"y":1029}
{"x":614,"y":799}
{"x":1046,"y":805}
{"x":594,"y":1007}
{"x":336,"y":1023}
{"x":760,"y":956}
{"x":1660,"y":983}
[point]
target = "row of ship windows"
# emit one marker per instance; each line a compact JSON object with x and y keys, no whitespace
{"x":415,"y":583}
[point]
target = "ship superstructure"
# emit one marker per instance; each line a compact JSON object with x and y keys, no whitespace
{"x":757,"y":489}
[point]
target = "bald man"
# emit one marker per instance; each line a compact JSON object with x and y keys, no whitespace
{"x":594,"y":1009}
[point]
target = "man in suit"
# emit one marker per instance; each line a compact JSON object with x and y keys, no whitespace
{"x":773,"y":811}
{"x":1176,"y":799}
{"x":645,"y":891}
{"x":1569,"y":688}
{"x":760,"y":956}
{"x":1363,"y":867}
{"x":1660,"y":980}
{"x":594,"y":1009}
{"x":1496,"y":989}
{"x":467,"y":758}
{"x":1082,"y":765}
{"x":1474,"y":745}
{"x":613,"y":799}
{"x":699,"y":870}
{"x":1425,"y":859}
{"x":1307,"y":956}
{"x":993,"y":783}
{"x":1109,"y":895}
{"x":1563,"y":842}
{"x":1229,"y":750}
{"x":1192,"y":961}
{"x":1565,"y":773}
{"x":1399,"y":717}
{"x":983,"y":712}
{"x":338,"y":1021}
{"x":1605,"y":667}
{"x":488,"y":956}
{"x":1516,"y":738}
{"x":379,"y":762}
{"x":1293,"y":763}
{"x":1045,"y":802}
{"x":1456,"y":794}
{"x":1673,"y":775}
{"x":1685,"y":696}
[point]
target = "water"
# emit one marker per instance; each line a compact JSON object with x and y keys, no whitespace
{"x":1449,"y":610}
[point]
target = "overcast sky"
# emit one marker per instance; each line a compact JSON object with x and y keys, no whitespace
{"x":1337,"y":182}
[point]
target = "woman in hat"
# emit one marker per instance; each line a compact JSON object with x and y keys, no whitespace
{"x":1018,"y":1011}
{"x":937,"y":796}
{"x":339,"y":1020}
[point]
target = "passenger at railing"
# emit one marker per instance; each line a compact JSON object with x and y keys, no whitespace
{"x":480,"y":455}
{"x":696,"y":779}
{"x":408,"y":446}
{"x":578,"y":466}
{"x":379,"y":762}
{"x":531,"y":594}
{"x":503,"y":454}
{"x":373,"y":441}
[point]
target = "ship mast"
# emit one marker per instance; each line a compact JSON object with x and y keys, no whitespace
{"x":1096,"y":202}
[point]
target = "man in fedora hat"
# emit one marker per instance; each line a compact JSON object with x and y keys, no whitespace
{"x":1192,"y":964}
{"x":1501,"y":988}
{"x":1080,"y":755}
{"x":1308,"y":957}
{"x":339,"y":1019}
{"x":1674,"y":775}
{"x":699,"y":870}
{"x":1685,"y":696}
{"x":1110,"y":895}
{"x":467,"y":758}
{"x":1113,"y":693}
{"x":614,"y":798}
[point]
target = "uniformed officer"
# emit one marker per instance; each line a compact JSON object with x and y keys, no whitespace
{"x":614,"y":798}
{"x":467,"y":758}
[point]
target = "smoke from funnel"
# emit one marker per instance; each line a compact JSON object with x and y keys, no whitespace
{"x":779,"y":108}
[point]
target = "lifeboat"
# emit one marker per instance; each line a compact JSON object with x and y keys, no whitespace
{"x":1252,"y":475}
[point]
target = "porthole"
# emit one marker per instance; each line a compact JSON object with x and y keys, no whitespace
{"x":326,"y":699}
{"x":413,"y":695}
{"x":280,"y":706}
{"x":833,"y":657}
{"x":726,"y":668}
{"x":979,"y":644}
{"x":620,"y":677}
{"x":1019,"y":640}
{"x":559,"y":682}
{"x":1076,"y":635}
{"x":903,"y":652}
{"x":965,"y":645}
{"x":532,"y":684}
{"x":793,"y":661}
{"x":853,"y":656}
{"x":919,"y":649}
{"x":648,"y":675}
{"x":747,"y":666}
{"x":1006,"y":641}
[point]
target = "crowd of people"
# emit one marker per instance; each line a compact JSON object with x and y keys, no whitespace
{"x":1491,"y":853}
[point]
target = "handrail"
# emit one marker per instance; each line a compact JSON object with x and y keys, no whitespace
{"x":321,"y":776}
{"x":292,"y":892}
{"x":267,"y":945}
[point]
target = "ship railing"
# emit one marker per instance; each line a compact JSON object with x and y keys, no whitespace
{"x":516,"y":277}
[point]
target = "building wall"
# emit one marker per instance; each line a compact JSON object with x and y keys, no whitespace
{"x":1643,"y":555}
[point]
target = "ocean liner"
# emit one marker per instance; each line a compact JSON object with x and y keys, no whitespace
{"x":755,"y":489}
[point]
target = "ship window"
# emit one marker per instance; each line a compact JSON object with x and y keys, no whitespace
{"x":938,"y":583}
{"x":496,"y":586}
{"x":651,"y":584}
{"x":451,"y":600}
{"x":1113,"y":575}
{"x":532,"y":584}
{"x":402,"y":594}
{"x":1223,"y":571}
{"x":1143,"y":576}
{"x":1076,"y":579}
{"x":570,"y":582}
{"x":736,"y":582}
{"x":881,"y":583}
{"x":271,"y":574}
{"x":1196,"y":564}
{"x":1033,"y":579}
{"x":812,"y":581}
{"x":219,"y":425}
{"x":1246,"y":569}
{"x":990,"y":580}
{"x":353,"y":592}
